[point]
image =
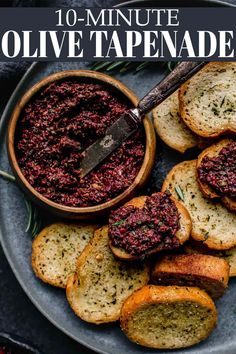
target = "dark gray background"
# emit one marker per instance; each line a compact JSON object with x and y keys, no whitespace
{"x":17,"y":313}
{"x":35,"y":19}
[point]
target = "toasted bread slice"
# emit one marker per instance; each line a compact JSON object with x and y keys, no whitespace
{"x":101,"y":285}
{"x":171,"y":128}
{"x":203,"y":271}
{"x":183,"y":233}
{"x":195,"y":247}
{"x":207,"y":100}
{"x":168,"y":317}
{"x":213,"y":151}
{"x":212,"y":223}
{"x":56,"y":249}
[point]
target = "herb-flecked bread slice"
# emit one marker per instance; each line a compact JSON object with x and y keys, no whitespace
{"x":195,"y":247}
{"x":168,"y":317}
{"x":97,"y":291}
{"x":212,"y":223}
{"x":203,"y":271}
{"x":213,"y":151}
{"x":182,"y":234}
{"x":207,"y":100}
{"x":170,"y":126}
{"x":56,"y":249}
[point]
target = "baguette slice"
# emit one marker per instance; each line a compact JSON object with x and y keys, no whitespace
{"x":213,"y":151}
{"x":182,"y":234}
{"x":102,"y":284}
{"x":171,"y":128}
{"x":212,"y":223}
{"x":207,"y":100}
{"x":168,"y":317}
{"x":203,"y":271}
{"x":195,"y":247}
{"x":56,"y":249}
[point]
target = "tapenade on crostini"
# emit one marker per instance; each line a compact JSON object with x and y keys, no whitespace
{"x":212,"y":223}
{"x":216,"y":169}
{"x":146,"y":225}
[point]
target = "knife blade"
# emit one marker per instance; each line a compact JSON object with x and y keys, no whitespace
{"x":129,"y":122}
{"x":118,"y":132}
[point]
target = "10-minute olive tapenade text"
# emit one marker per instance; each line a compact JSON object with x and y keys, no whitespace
{"x":138,"y":231}
{"x":54,"y":130}
{"x":219,"y":172}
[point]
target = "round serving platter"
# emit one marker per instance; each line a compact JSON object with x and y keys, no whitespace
{"x":16,"y":243}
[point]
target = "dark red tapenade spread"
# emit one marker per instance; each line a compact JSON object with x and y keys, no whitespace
{"x":138,"y":231}
{"x":55,"y":129}
{"x":219,"y":172}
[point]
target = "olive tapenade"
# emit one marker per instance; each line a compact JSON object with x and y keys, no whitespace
{"x":138,"y":231}
{"x":219,"y":172}
{"x":57,"y":126}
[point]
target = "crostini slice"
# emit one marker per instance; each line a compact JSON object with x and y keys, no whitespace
{"x":207,"y":100}
{"x":55,"y":251}
{"x":212,"y":223}
{"x":203,"y":271}
{"x":196,"y":247}
{"x":182,"y":234}
{"x":168,"y":317}
{"x":170,"y":126}
{"x":101,"y":284}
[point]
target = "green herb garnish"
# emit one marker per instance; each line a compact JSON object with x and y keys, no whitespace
{"x":34,"y":223}
{"x":128,"y":66}
{"x":142,"y":66}
{"x":179,"y":192}
{"x":215,"y":111}
{"x":117,"y":223}
{"x":7,"y":176}
{"x":206,"y":235}
{"x":100,"y":65}
{"x":228,"y":110}
{"x":222,"y":102}
{"x":114,"y":65}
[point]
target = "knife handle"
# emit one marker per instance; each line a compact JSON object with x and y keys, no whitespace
{"x":181,"y":73}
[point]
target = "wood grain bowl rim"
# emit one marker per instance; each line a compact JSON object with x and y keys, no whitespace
{"x":150,"y":142}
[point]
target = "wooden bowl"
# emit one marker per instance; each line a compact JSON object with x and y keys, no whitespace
{"x":90,"y":212}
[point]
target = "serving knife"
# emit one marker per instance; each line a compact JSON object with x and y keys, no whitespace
{"x":129,"y":122}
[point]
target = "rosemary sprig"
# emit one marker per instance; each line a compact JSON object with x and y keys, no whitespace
{"x":34,"y":222}
{"x":7,"y":176}
{"x":179,"y":192}
{"x":100,"y":65}
{"x":115,"y":65}
{"x":29,"y":211}
{"x":142,"y":66}
{"x":128,"y":66}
